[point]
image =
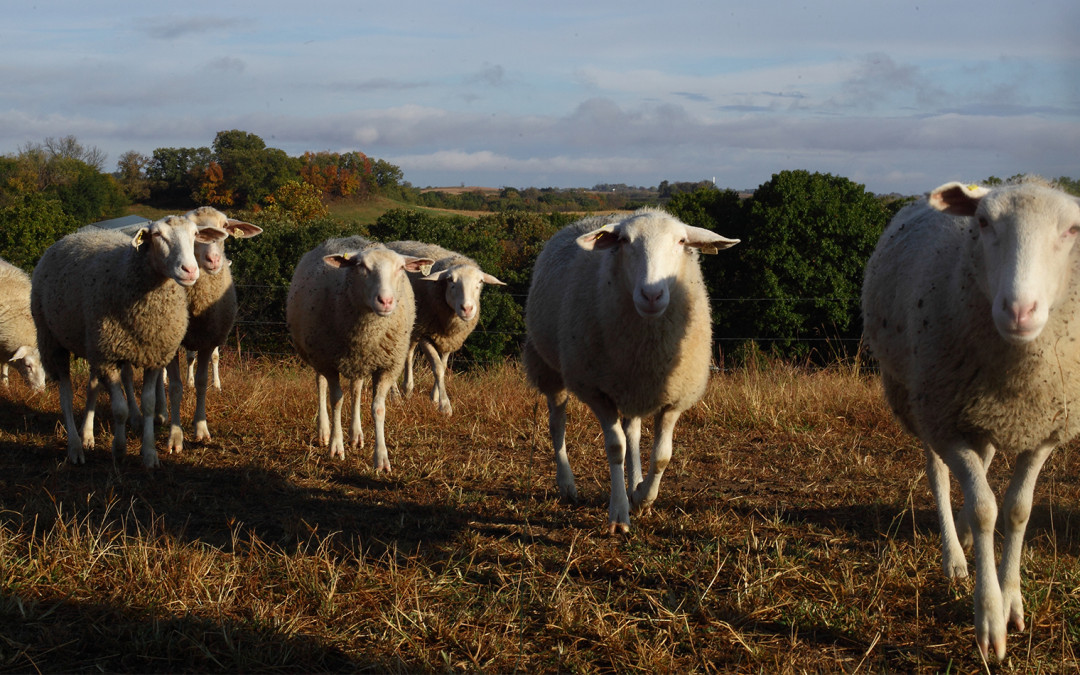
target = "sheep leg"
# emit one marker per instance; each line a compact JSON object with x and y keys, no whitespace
{"x":127,"y":373}
{"x":114,"y":381}
{"x":953,"y":562}
{"x":356,"y":431}
{"x":963,"y":528}
{"x":4,"y":373}
{"x":93,"y":386}
{"x":324,"y":419}
{"x":380,"y":385}
{"x":980,"y":508}
{"x":189,"y":357}
{"x":176,"y":395}
{"x":160,"y":401}
{"x":215,"y":361}
{"x":664,"y":429}
{"x":564,"y":476}
{"x":615,"y":446}
{"x":632,"y":431}
{"x":438,"y":369}
{"x":410,"y":384}
{"x":202,"y":431}
{"x":151,"y":376}
{"x":1017,"y":510}
{"x":74,"y":438}
{"x":337,"y":443}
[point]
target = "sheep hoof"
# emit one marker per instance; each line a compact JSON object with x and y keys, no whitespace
{"x":202,"y":433}
{"x":176,"y":440}
{"x":76,"y":456}
{"x":150,"y":459}
{"x":337,"y":451}
{"x":446,"y":409}
{"x":615,"y":528}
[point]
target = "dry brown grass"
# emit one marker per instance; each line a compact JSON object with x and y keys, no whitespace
{"x":794,"y":532}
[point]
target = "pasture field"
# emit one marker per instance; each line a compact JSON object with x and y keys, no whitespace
{"x":794,"y":533}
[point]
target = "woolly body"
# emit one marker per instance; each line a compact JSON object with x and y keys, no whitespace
{"x":18,"y":337}
{"x":337,"y":330}
{"x":953,"y":309}
{"x":441,"y":302}
{"x":587,"y":334}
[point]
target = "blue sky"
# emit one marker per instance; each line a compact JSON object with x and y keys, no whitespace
{"x":899,"y":96}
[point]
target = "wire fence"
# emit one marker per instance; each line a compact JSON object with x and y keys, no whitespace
{"x":259,"y":337}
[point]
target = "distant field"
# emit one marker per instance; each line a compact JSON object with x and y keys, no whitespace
{"x":794,"y":532}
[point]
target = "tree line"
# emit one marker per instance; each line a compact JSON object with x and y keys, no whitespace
{"x":790,"y":287}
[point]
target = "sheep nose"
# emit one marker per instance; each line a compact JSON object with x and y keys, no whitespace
{"x":386,"y":304}
{"x":467,"y":311}
{"x":1022,"y":314}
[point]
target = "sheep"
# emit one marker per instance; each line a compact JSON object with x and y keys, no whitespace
{"x":350,"y":311}
{"x":617,"y":314}
{"x":447,"y":310}
{"x":18,"y":338}
{"x":212,"y":306}
{"x":970,"y":305}
{"x":116,"y":300}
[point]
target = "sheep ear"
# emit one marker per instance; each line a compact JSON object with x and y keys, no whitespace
{"x":434,"y":276}
{"x":488,"y":279}
{"x":340,"y":260}
{"x":208,"y":235}
{"x":603,"y":238}
{"x":421,"y":265}
{"x":240,"y":229}
{"x":140,"y":237}
{"x":20,"y":353}
{"x":957,"y":199}
{"x":707,"y":241}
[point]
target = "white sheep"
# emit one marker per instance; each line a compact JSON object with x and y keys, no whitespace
{"x":971,"y":304}
{"x":18,"y":338}
{"x":115,"y":300}
{"x":447,"y":310}
{"x":617,"y":313}
{"x":350,"y":312}
{"x":212,"y":305}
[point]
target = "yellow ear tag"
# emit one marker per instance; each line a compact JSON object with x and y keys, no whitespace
{"x":138,"y":240}
{"x":973,"y":187}
{"x":426,"y":270}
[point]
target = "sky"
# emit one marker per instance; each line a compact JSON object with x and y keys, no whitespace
{"x":897,"y":96}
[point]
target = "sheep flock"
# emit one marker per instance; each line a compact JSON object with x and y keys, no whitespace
{"x":969,"y":307}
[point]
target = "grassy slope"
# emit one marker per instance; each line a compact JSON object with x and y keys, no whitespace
{"x":794,"y":532}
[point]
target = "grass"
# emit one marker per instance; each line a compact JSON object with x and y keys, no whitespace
{"x":794,"y":532}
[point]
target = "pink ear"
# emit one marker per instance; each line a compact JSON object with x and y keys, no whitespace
{"x":957,"y":199}
{"x":240,"y":229}
{"x":603,"y":238}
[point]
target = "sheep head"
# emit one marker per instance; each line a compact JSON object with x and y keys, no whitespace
{"x":27,"y":361}
{"x":375,"y":275}
{"x":647,"y":252}
{"x":463,"y":286}
{"x":211,"y":256}
{"x":170,"y":245}
{"x":1027,"y":234}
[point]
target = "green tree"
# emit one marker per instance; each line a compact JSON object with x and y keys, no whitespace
{"x":131,"y":175}
{"x":175,"y":173}
{"x":29,"y":223}
{"x":251,"y":170}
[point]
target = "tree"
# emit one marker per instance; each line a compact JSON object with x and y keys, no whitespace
{"x":807,"y":239}
{"x":29,"y":223}
{"x":131,"y":174}
{"x":251,"y":170}
{"x":175,"y":173}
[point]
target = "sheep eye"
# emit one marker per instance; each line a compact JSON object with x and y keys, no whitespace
{"x":983,"y":223}
{"x":1074,"y":230}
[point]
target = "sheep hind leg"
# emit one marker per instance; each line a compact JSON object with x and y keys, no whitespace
{"x":664,"y":429}
{"x":550,"y":383}
{"x":356,"y":430}
{"x":438,"y":369}
{"x":632,"y":431}
{"x":75,"y":441}
{"x":615,"y":447}
{"x":151,"y":377}
{"x":176,"y":396}
{"x":337,"y":442}
{"x":380,"y":385}
{"x":1017,"y":510}
{"x":323,"y":426}
{"x":202,"y":367}
{"x":963,"y":528}
{"x":93,"y":388}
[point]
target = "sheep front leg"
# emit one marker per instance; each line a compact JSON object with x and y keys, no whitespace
{"x":963,"y":528}
{"x":615,"y":447}
{"x":127,"y":374}
{"x":356,"y":430}
{"x":149,"y":409}
{"x":176,"y":395}
{"x":114,"y":382}
{"x":664,"y":429}
{"x":980,"y":508}
{"x":438,"y":369}
{"x":202,"y":367}
{"x":632,"y":430}
{"x":337,"y":442}
{"x":953,"y":562}
{"x":324,"y":419}
{"x":410,"y":384}
{"x":1017,"y":508}
{"x":380,"y":385}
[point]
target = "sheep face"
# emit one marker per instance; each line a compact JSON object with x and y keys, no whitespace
{"x":463,"y":286}
{"x":28,"y":362}
{"x":646,"y":254}
{"x":375,"y":274}
{"x":1027,"y":236}
{"x":170,"y":245}
{"x":211,"y":255}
